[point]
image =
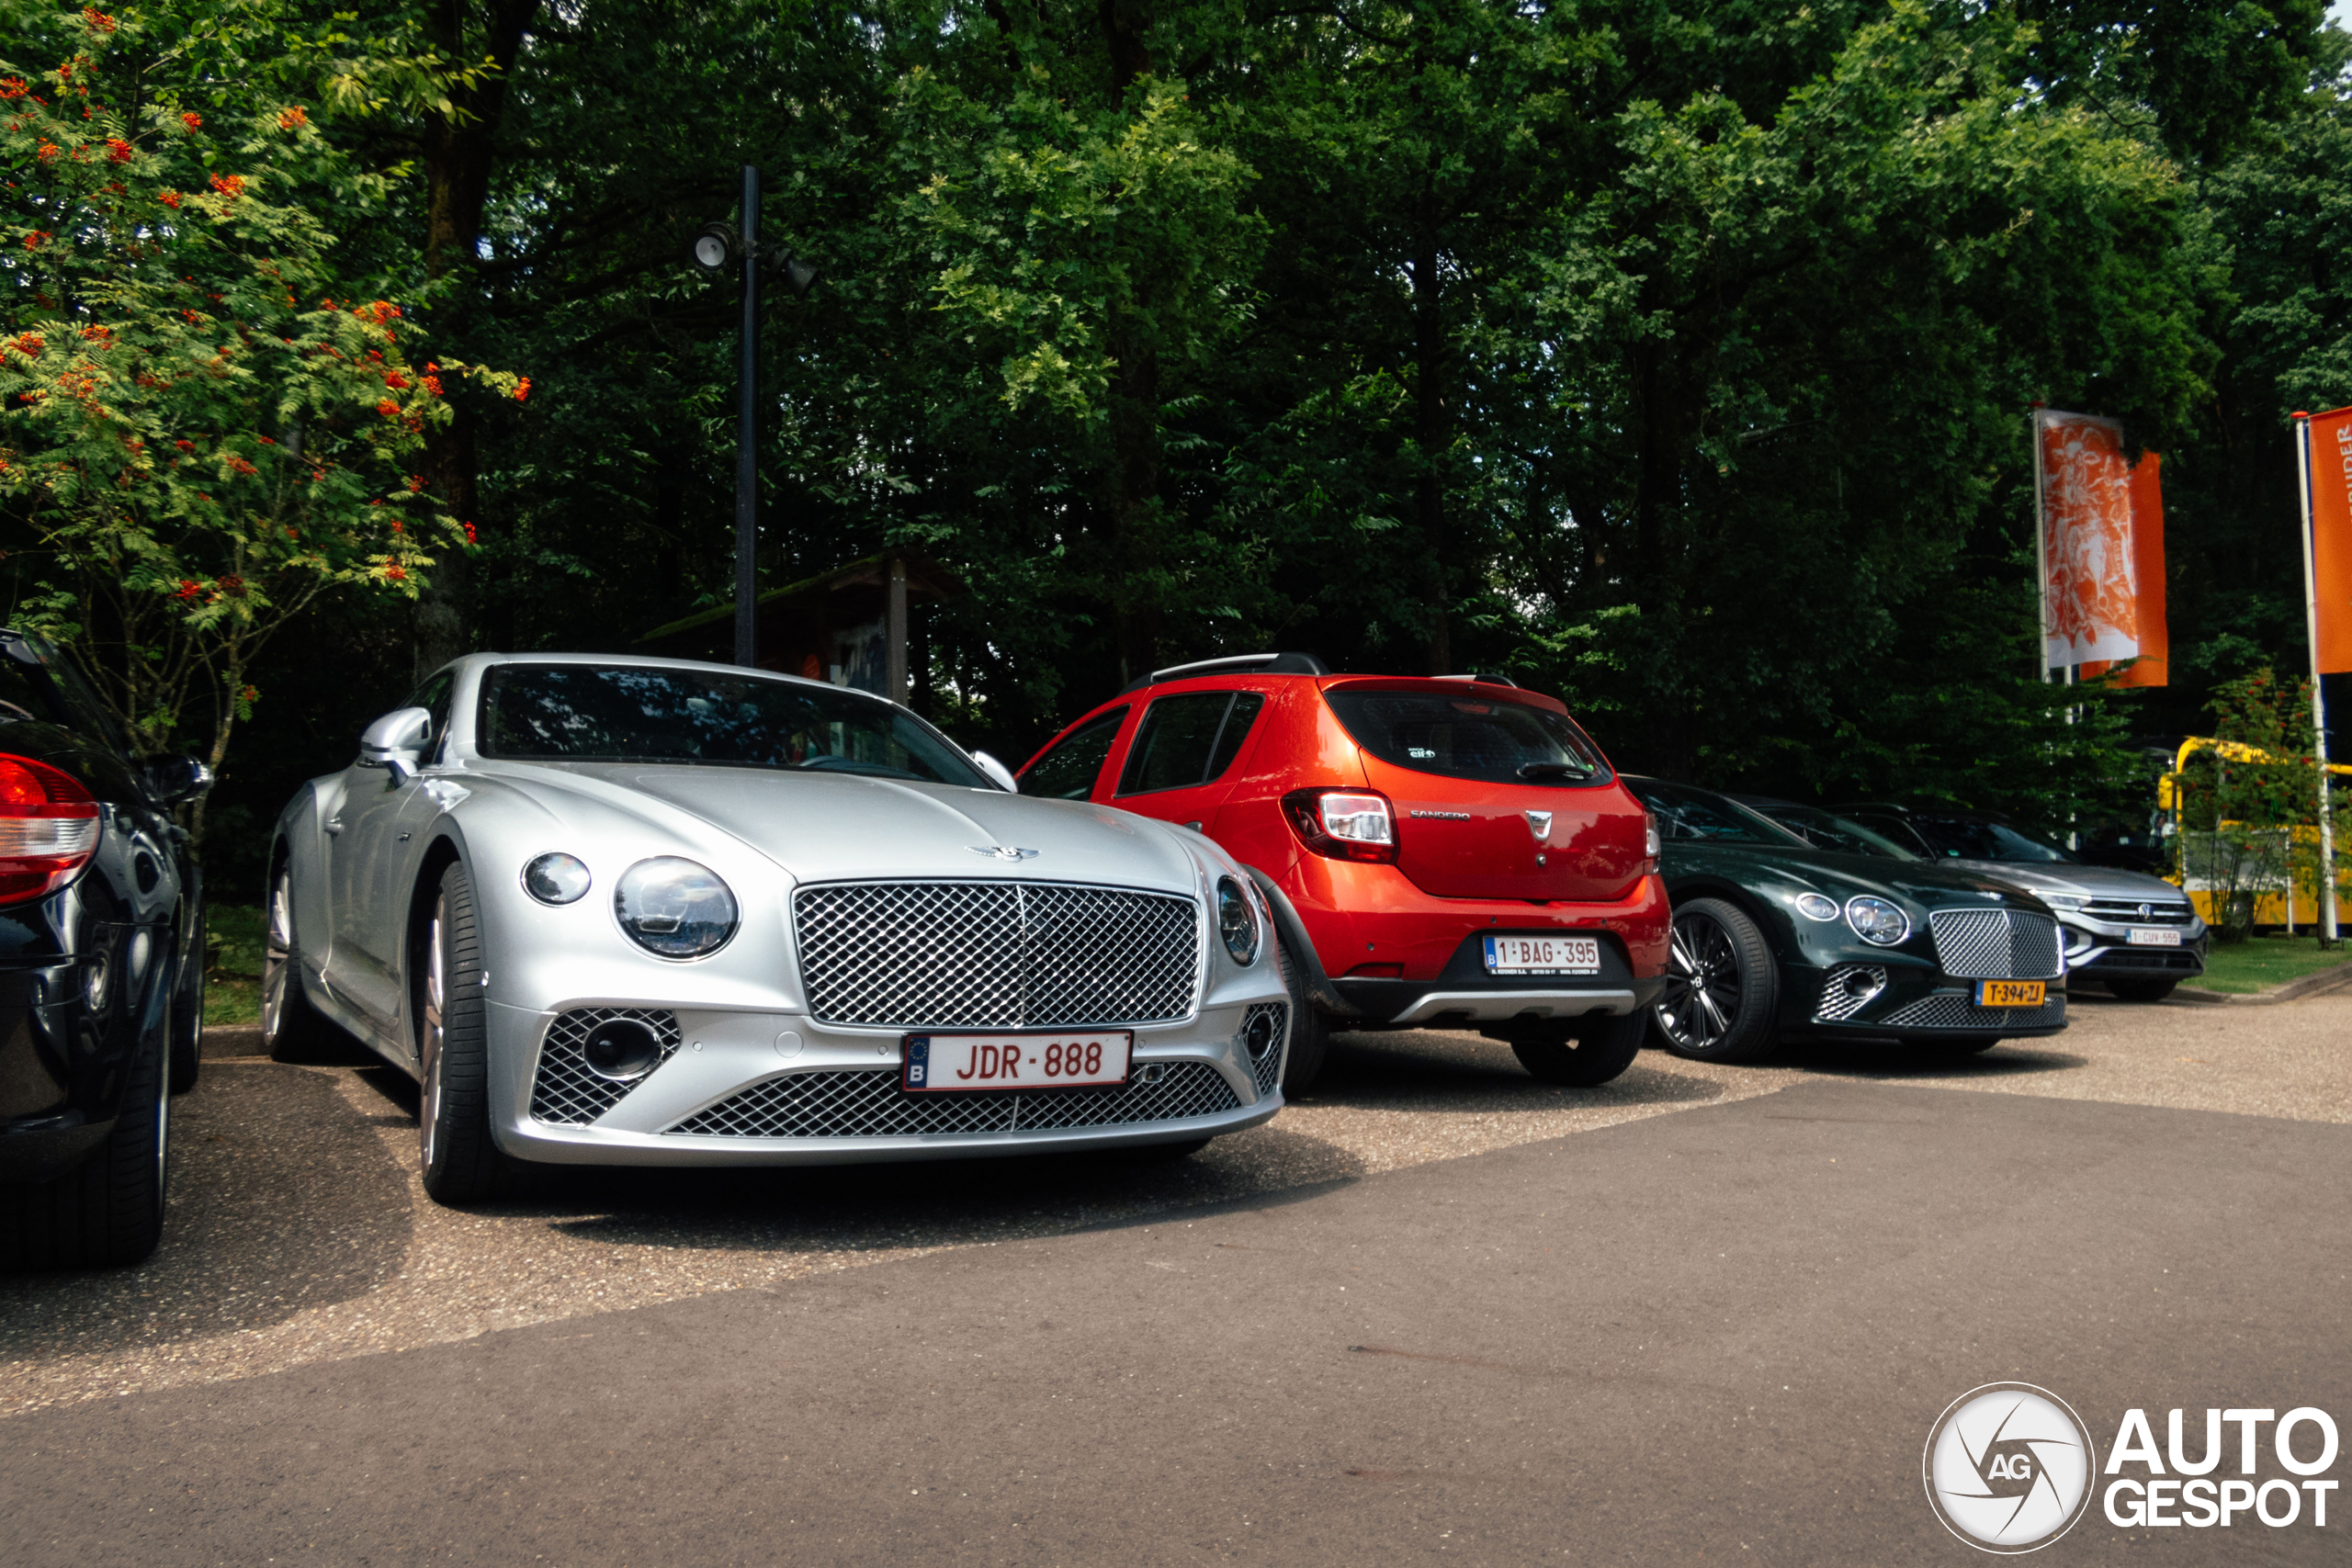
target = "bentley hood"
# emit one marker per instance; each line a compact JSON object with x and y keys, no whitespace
{"x":824,"y":826}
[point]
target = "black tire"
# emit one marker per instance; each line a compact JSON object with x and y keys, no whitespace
{"x":1597,"y":1051}
{"x":1722,"y":989}
{"x":188,"y":1018}
{"x":109,"y":1209}
{"x":2141,"y":990}
{"x":460,"y":1160}
{"x":291,"y":1027}
{"x":1310,"y":1034}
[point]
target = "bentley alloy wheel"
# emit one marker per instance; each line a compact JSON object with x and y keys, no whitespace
{"x":431,"y":1032}
{"x":289,"y":1025}
{"x":1721,"y":987}
{"x":461,"y":1161}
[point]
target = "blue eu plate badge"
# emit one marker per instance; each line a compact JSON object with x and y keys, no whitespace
{"x":917,"y":1061}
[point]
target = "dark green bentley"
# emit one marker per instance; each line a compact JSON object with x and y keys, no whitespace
{"x":1774,"y":938}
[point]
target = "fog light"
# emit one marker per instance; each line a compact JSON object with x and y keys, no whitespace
{"x":1260,"y":1036}
{"x":622,"y":1049}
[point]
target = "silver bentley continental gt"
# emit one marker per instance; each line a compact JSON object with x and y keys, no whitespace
{"x":627,"y":911}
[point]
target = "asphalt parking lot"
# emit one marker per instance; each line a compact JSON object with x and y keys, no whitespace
{"x":1438,"y":1308}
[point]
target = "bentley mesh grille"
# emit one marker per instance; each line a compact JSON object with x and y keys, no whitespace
{"x":867,"y":1103}
{"x":995,"y":954}
{"x":1848,"y":989}
{"x":1266,"y":1071}
{"x":1948,"y":1011}
{"x":1996,"y":944}
{"x":565,"y":1092}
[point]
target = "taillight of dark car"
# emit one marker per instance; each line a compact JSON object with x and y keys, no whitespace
{"x":1344,"y":824}
{"x":49,"y":825}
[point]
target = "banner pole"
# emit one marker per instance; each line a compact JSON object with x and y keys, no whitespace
{"x":2326,"y":892}
{"x":2040,"y":548}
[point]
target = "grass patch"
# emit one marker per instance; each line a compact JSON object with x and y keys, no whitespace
{"x":2262,"y":962}
{"x":233,"y":950}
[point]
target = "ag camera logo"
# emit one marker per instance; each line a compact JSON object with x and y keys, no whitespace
{"x":2008,"y":1468}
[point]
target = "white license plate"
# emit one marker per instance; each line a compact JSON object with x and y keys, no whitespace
{"x":2152,"y":936}
{"x":1543,"y":955}
{"x":931,"y":1063}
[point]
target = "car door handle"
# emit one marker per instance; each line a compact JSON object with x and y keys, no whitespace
{"x":332,"y":824}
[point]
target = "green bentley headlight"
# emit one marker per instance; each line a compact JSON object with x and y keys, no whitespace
{"x":1878,"y":922}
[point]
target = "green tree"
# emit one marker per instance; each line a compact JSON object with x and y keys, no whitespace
{"x":205,"y":437}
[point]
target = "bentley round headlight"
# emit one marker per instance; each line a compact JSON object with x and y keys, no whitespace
{"x":556,"y":879}
{"x":674,"y":908}
{"x":1814,"y":906}
{"x":1877,"y":922}
{"x":1237,"y":922}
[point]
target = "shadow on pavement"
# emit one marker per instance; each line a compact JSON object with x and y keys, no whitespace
{"x":811,"y":1209}
{"x":280,"y":1202}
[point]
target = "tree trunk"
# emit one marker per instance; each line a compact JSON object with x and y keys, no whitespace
{"x":1135,"y":456}
{"x":460,"y":149}
{"x":1431,"y":434}
{"x":1661,"y":416}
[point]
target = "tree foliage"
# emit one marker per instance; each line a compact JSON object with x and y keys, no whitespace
{"x":1672,"y":356}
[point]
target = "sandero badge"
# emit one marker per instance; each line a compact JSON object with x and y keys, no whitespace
{"x":2008,"y":1468}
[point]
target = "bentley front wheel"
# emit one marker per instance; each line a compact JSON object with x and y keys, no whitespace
{"x":1722,"y":987}
{"x":461,"y":1163}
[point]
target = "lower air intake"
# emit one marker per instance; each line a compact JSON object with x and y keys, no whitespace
{"x":567,"y":1092}
{"x":1948,"y":1011}
{"x":867,"y":1103}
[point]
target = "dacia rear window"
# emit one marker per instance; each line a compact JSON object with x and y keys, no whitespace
{"x":1470,"y":735}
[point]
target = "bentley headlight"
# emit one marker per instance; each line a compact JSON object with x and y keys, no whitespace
{"x":1877,"y":922}
{"x":674,"y":908}
{"x":1237,"y":922}
{"x":1814,"y":906}
{"x":556,"y":878}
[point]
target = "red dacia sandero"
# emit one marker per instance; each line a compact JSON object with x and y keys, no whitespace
{"x":1440,"y":851}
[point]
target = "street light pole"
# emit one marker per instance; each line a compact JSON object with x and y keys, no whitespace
{"x":747,"y":435}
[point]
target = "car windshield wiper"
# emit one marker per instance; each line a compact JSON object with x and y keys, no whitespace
{"x":1552,"y":770}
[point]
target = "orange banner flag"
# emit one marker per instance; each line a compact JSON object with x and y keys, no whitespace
{"x":2102,"y":549}
{"x":2329,"y":439}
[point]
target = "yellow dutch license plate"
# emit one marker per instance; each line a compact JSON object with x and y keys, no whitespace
{"x":2009,"y":993}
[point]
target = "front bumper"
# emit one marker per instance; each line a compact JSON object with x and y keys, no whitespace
{"x":2101,"y":952}
{"x":745,"y":1087}
{"x":1898,"y":997}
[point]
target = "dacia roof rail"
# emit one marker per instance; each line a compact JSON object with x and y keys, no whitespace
{"x":1482,"y":677}
{"x":1234,"y":664}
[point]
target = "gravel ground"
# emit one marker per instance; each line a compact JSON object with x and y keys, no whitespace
{"x":299,"y":1233}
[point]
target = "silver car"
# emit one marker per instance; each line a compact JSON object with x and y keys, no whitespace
{"x":639,"y":911}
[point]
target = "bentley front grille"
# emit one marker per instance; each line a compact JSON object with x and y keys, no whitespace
{"x":1265,"y":1058}
{"x":1949,"y":1010}
{"x":1996,"y":944}
{"x":995,"y":954}
{"x":867,"y":1103}
{"x":568,"y":1091}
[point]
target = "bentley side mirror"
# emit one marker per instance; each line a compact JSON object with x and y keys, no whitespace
{"x":998,"y":775}
{"x":175,"y":781}
{"x":396,"y":742}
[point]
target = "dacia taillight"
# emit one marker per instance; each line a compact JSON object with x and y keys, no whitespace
{"x":1343,"y":824}
{"x":1650,"y":845}
{"x":49,"y":829}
